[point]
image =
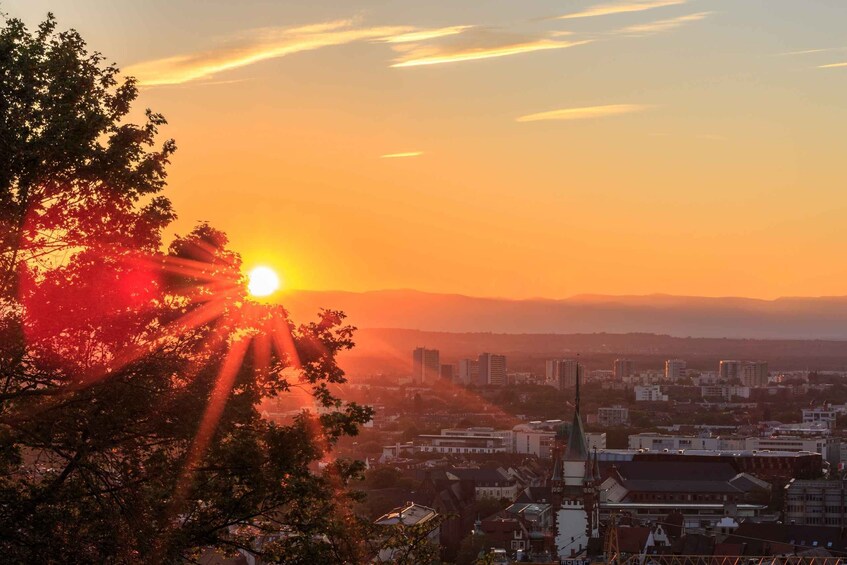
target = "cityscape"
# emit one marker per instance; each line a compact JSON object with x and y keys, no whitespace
{"x":557,"y":282}
{"x":680,"y":463}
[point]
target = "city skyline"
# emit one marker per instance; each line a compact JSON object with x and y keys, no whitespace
{"x":547,"y":149}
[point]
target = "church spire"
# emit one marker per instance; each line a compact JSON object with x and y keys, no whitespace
{"x":577,"y":450}
{"x":576,"y":401}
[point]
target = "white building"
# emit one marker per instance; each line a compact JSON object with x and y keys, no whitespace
{"x":468,"y":440}
{"x":828,"y":447}
{"x":650,"y":393}
{"x":661,"y":442}
{"x":533,"y":442}
{"x":823,"y":414}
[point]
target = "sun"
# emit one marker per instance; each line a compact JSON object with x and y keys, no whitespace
{"x":262,"y":281}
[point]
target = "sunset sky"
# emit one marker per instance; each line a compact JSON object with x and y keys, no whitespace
{"x":502,"y":148}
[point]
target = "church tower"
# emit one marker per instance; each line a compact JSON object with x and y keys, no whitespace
{"x":574,"y":486}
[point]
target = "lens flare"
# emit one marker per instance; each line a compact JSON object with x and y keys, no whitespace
{"x":262,"y":281}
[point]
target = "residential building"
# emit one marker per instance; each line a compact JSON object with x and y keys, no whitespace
{"x":650,"y":393}
{"x":468,"y":371}
{"x":563,"y":373}
{"x":816,"y":503}
{"x":675,"y":370}
{"x":623,"y":369}
{"x":613,"y":416}
{"x":426,"y":366}
{"x":447,"y":372}
{"x":754,"y":374}
{"x":750,"y":373}
{"x":492,"y":369}
{"x":729,"y":369}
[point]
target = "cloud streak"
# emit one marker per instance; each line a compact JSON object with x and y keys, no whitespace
{"x":254,"y":47}
{"x":261,"y":45}
{"x":620,"y":8}
{"x":414,"y":46}
{"x":660,"y":26}
{"x":833,"y":65}
{"x":441,"y":55}
{"x":426,"y":34}
{"x":401,"y":155}
{"x":584,"y":113}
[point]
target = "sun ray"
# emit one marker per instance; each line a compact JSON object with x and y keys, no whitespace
{"x":205,"y":432}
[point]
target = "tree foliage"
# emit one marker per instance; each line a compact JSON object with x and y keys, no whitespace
{"x":131,"y":377}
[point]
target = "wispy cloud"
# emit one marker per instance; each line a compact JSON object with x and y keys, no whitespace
{"x":426,"y":34}
{"x":660,"y":26}
{"x":480,"y":44}
{"x":621,"y":8}
{"x":399,"y":155}
{"x":833,"y":66}
{"x":810,"y":51}
{"x":584,"y":113}
{"x":256,"y":46}
{"x":415,"y":47}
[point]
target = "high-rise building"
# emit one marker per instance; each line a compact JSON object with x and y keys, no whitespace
{"x":492,"y":369}
{"x":562,"y":373}
{"x":729,"y":369}
{"x":447,"y":372}
{"x":622,"y":369}
{"x":426,"y":366}
{"x":754,"y":373}
{"x":675,"y":369}
{"x":750,"y":373}
{"x":468,"y":371}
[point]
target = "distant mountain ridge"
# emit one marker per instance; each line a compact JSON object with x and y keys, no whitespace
{"x":682,"y":316}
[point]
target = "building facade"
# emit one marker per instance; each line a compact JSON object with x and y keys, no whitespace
{"x":492,"y":369}
{"x":613,"y":416}
{"x":622,"y":369}
{"x":816,"y":503}
{"x":650,"y":393}
{"x":675,"y":370}
{"x":426,"y":366}
{"x":468,"y":371}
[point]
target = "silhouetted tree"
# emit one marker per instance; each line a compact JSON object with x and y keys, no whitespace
{"x":130,"y":378}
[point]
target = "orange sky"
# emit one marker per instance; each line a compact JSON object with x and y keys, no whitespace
{"x":513,"y":149}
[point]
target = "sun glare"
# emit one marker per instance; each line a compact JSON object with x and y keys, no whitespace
{"x":262,"y":281}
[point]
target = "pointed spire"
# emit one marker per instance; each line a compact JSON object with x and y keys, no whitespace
{"x":577,"y":449}
{"x":576,"y":402}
